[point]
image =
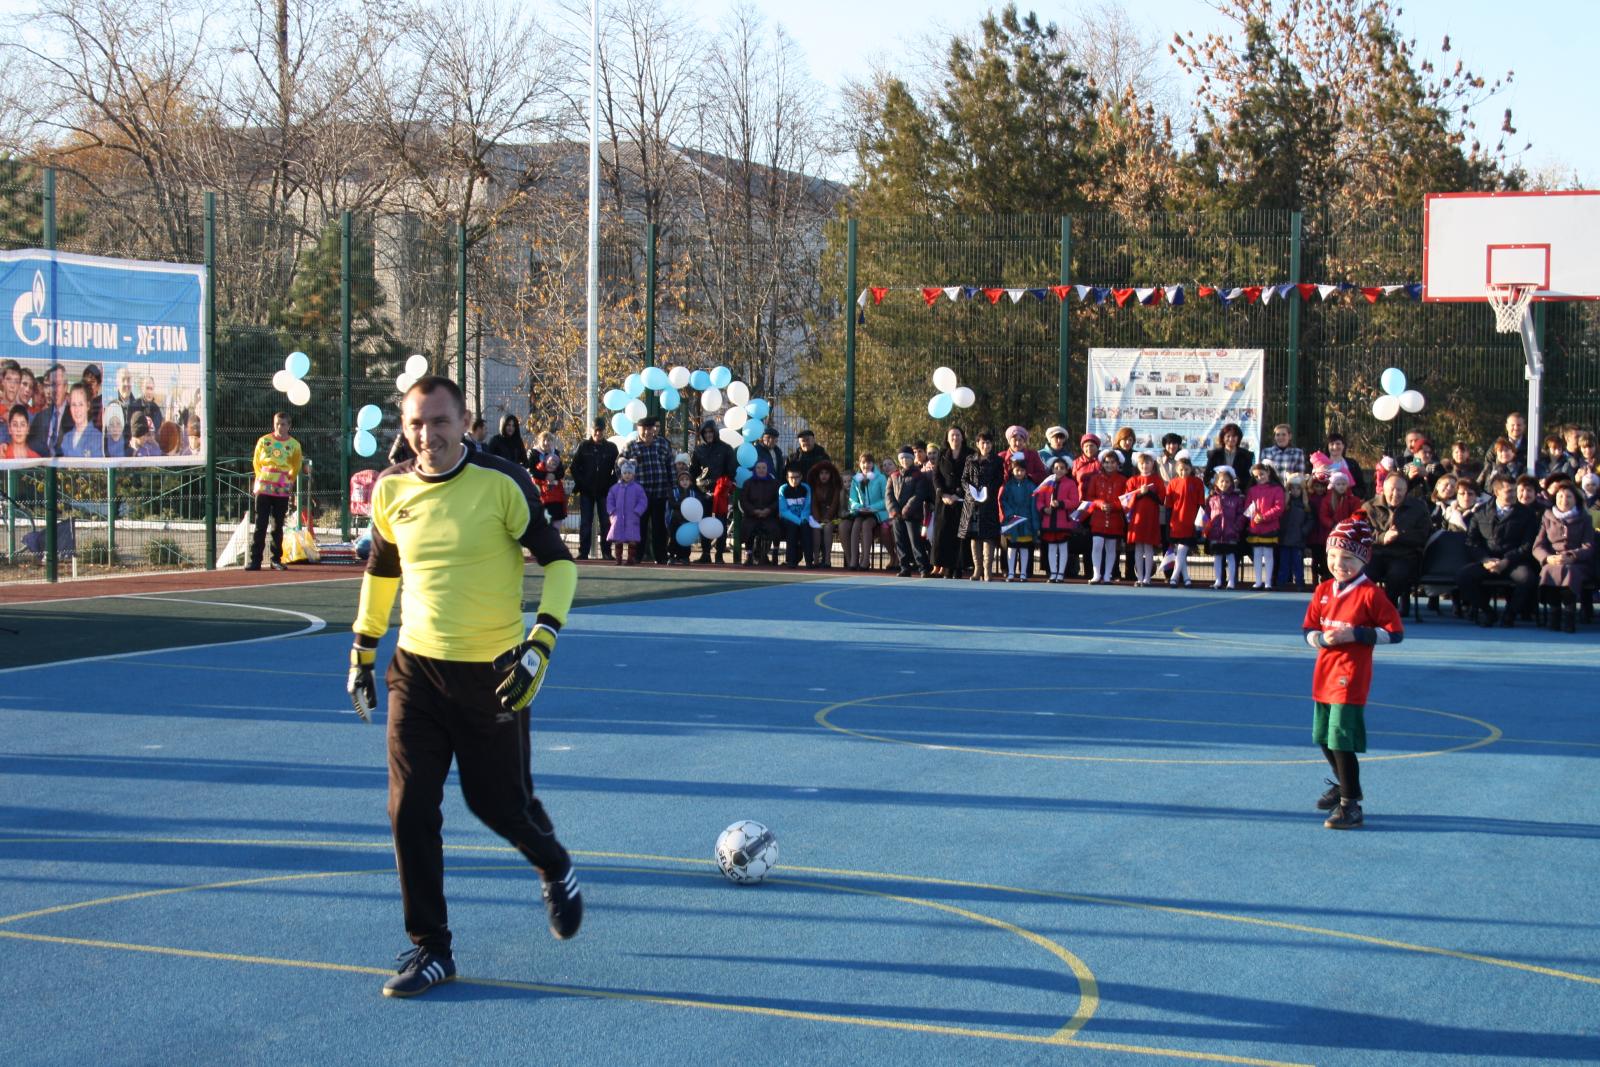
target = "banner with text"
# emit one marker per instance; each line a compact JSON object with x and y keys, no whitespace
{"x":103,"y":361}
{"x":1192,"y":392}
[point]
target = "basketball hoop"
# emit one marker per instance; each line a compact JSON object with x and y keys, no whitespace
{"x":1510,"y":303}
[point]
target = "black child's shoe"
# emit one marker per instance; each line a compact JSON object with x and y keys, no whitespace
{"x":1347,"y":816}
{"x":564,"y":902}
{"x":420,"y":970}
{"x":1330,"y":797}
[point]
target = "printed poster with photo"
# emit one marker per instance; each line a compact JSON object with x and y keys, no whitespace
{"x":102,"y":361}
{"x":1188,"y":391}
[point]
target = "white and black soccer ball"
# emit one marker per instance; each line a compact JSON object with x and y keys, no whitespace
{"x":746,"y":852}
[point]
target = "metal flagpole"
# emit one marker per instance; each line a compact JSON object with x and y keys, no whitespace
{"x":592,"y":379}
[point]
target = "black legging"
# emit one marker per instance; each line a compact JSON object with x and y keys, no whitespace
{"x":1347,"y":769}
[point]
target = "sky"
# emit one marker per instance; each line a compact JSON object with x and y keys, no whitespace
{"x":843,"y":39}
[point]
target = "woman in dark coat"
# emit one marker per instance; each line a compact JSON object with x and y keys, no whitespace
{"x":980,"y":519}
{"x":1231,"y":454}
{"x":508,"y":444}
{"x":1565,"y":548}
{"x":949,"y":551}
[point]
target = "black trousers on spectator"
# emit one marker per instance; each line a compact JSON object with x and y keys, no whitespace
{"x":911,"y":545}
{"x":592,"y":513}
{"x":440,"y":709}
{"x":1397,"y":574}
{"x":653,"y":527}
{"x":1523,"y":578}
{"x":268,"y":508}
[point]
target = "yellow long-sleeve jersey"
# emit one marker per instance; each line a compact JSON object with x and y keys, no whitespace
{"x":277,"y":463}
{"x":457,"y":539}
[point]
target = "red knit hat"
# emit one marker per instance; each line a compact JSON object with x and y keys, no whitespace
{"x":1353,"y":535}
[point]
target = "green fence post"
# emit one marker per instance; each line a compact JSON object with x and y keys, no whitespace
{"x":461,"y":306}
{"x":344,"y":366}
{"x":52,"y":565}
{"x":1296,"y":228}
{"x":850,"y":341}
{"x":1063,"y":356}
{"x":111,"y":515}
{"x":211,"y":435}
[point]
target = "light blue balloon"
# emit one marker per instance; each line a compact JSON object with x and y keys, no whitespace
{"x":758,"y":408}
{"x":746,"y":455}
{"x":621,"y":425}
{"x":670,"y":399}
{"x":614,"y":400}
{"x":654,"y":378}
{"x":633,"y":385}
{"x":721,"y":376}
{"x":368,"y":418}
{"x":1393,"y":381}
{"x":754,"y":428}
{"x":741,"y":476}
{"x":688,"y":534}
{"x":366,"y":444}
{"x":700,"y":381}
{"x":939,"y":407}
{"x":298,"y":364}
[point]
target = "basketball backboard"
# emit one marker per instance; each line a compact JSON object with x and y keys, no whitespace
{"x":1471,"y":241}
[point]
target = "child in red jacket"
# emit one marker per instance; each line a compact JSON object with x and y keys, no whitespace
{"x":1185,"y":499}
{"x":1057,"y":498}
{"x":1144,"y":518}
{"x":1263,"y":506}
{"x":1107,"y":523}
{"x":1347,"y":616}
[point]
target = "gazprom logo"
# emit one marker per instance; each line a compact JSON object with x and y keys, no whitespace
{"x":29,"y":323}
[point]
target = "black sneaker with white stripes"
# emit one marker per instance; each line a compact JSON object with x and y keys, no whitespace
{"x":420,"y":970}
{"x":1330,"y":796}
{"x":564,"y":902}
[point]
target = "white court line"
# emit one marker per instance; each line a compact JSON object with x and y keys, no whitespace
{"x":314,"y":624}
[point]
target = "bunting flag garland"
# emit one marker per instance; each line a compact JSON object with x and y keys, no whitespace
{"x":1145,"y":296}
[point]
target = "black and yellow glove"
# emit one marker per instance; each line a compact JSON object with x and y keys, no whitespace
{"x":360,"y":684}
{"x":527,"y":664}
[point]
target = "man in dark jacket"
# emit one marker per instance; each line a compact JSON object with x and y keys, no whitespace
{"x":653,"y":459}
{"x":908,"y":498}
{"x":1500,"y":542}
{"x":808,"y":454}
{"x":594,"y":472}
{"x":713,"y":459}
{"x":1400,"y":527}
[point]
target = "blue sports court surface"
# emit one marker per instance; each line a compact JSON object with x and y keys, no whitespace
{"x":1018,"y":824}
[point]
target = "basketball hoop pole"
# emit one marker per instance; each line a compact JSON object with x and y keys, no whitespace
{"x":1535,"y":375}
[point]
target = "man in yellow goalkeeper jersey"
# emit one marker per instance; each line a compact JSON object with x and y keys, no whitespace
{"x":453,"y":522}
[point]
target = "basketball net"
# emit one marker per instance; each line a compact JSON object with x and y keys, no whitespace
{"x":1510,"y":303}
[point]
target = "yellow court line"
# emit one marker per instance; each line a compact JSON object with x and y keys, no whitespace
{"x":820,"y":602}
{"x":822,"y":718}
{"x":837,"y":872}
{"x":1189,"y":607}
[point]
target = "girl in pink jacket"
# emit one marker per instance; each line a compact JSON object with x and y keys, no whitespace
{"x":1263,"y":506}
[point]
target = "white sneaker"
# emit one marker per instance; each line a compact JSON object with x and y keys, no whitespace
{"x":1232,"y":584}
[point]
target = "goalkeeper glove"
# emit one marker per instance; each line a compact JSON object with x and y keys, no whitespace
{"x":360,"y":684}
{"x":527,"y":664}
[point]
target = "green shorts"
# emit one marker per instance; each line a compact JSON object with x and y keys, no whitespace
{"x":1341,"y":727}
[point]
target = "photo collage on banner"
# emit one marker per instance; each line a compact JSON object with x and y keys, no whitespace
{"x":1193,"y":392}
{"x":102,"y":361}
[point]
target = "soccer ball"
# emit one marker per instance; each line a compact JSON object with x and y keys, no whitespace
{"x":746,"y":851}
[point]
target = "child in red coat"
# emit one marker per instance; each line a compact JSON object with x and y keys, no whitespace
{"x":1263,"y":506}
{"x":1057,"y":498}
{"x":1185,"y":499}
{"x":1347,"y":616}
{"x":1107,"y":523}
{"x":1144,"y":518}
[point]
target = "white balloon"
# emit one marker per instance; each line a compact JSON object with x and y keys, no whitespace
{"x":281,"y":380}
{"x":679,"y":377}
{"x":620,"y":441}
{"x":963,"y":397}
{"x":944,"y":380}
{"x":731,"y":437}
{"x":711,"y":527}
{"x":404,"y":382}
{"x":738,"y":394}
{"x":636,"y":410}
{"x":736,"y":417}
{"x":693,"y":510}
{"x":1412,"y":401}
{"x":299,"y":393}
{"x":417,"y":366}
{"x":711,"y":399}
{"x":1385,"y":407}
